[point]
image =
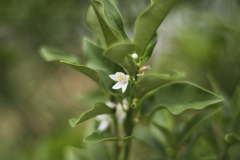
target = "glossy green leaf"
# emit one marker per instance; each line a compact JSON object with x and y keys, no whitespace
{"x":109,"y":15}
{"x":232,"y":138}
{"x":148,"y":22}
{"x":193,"y":124}
{"x":100,"y":28}
{"x":99,"y":151}
{"x":143,"y":135}
{"x":100,"y":137}
{"x":99,"y":108}
{"x":73,"y":153}
{"x":102,"y":78}
{"x":53,"y":54}
{"x":153,"y":81}
{"x":178,"y":97}
{"x":148,"y":52}
{"x":120,"y":55}
{"x":95,"y":59}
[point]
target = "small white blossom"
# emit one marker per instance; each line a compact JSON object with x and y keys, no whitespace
{"x":105,"y":119}
{"x":122,"y":81}
{"x":120,"y":113}
{"x":135,"y":56}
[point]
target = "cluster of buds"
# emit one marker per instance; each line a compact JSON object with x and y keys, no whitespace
{"x":141,"y":70}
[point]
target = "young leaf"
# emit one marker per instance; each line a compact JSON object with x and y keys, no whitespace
{"x":120,"y":55}
{"x":100,"y":137}
{"x":153,"y":81}
{"x":98,"y":108}
{"x":109,"y":15}
{"x":178,"y":97}
{"x":148,"y":22}
{"x":150,"y":47}
{"x":232,"y":138}
{"x":102,"y":78}
{"x":193,"y":124}
{"x":53,"y":54}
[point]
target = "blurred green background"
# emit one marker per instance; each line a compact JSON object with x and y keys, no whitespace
{"x":200,"y":38}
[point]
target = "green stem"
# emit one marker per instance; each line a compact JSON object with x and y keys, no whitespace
{"x":115,"y":127}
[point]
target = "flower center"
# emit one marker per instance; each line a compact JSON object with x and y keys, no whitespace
{"x":121,"y":78}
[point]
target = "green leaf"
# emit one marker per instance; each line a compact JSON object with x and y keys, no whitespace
{"x":53,"y":54}
{"x":167,"y":134}
{"x":148,"y":22}
{"x":109,"y":15}
{"x":193,"y":124}
{"x":73,"y":153}
{"x":95,"y":59}
{"x":232,"y":138}
{"x":100,"y":28}
{"x":99,"y":151}
{"x":151,"y":45}
{"x":102,"y":78}
{"x":235,"y":101}
{"x":143,"y":135}
{"x":100,"y":137}
{"x":153,"y":81}
{"x":178,"y":97}
{"x":99,"y":108}
{"x":120,"y":55}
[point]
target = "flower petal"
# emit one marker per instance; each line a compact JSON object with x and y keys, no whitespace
{"x":104,"y":124}
{"x":127,"y":76}
{"x":124,"y":86}
{"x":110,"y":104}
{"x":114,"y":77}
{"x":120,"y":73}
{"x":118,"y":85}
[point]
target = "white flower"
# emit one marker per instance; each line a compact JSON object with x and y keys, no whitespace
{"x":105,"y":119}
{"x":135,"y":56}
{"x":120,"y":113}
{"x":122,"y":81}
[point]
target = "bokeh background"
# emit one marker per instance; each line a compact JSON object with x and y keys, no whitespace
{"x":200,"y":38}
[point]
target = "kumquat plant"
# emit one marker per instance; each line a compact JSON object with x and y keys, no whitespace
{"x":146,"y":115}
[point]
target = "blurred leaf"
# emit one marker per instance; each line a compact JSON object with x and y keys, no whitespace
{"x":53,"y":54}
{"x":235,"y":101}
{"x":143,"y":135}
{"x":193,"y":124}
{"x":120,"y":55}
{"x":148,"y":52}
{"x":235,"y":124}
{"x":73,"y":153}
{"x":100,"y":137}
{"x":99,"y":108}
{"x":96,"y":60}
{"x":153,"y":81}
{"x":102,"y":78}
{"x":167,"y":134}
{"x":177,"y":97}
{"x":232,"y":138}
{"x":99,"y":151}
{"x":148,"y":22}
{"x":110,"y":19}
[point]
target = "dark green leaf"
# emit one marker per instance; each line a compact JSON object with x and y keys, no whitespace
{"x":53,"y":54}
{"x":153,"y":81}
{"x":148,"y":22}
{"x":178,"y":97}
{"x":100,"y":137}
{"x":99,"y":108}
{"x":193,"y":124}
{"x":148,"y":52}
{"x":120,"y":55}
{"x":235,"y":101}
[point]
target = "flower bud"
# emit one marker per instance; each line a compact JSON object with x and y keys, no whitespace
{"x":135,"y":56}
